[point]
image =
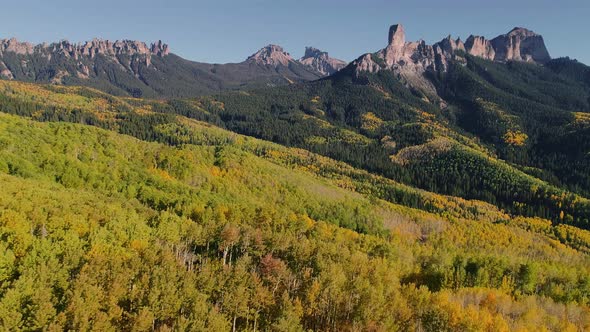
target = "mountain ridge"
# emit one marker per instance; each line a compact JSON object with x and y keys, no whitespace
{"x":321,"y":61}
{"x":412,"y":60}
{"x":130,"y":67}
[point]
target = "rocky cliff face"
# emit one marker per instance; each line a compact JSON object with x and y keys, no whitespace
{"x":80,"y":56}
{"x":411,"y":60}
{"x":13,"y":45}
{"x":520,"y":44}
{"x":88,"y":49}
{"x":481,"y":47}
{"x":271,"y":55}
{"x":321,"y":62}
{"x":314,"y":61}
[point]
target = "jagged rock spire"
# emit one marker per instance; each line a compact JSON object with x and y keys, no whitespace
{"x":320,"y":61}
{"x":397,"y":36}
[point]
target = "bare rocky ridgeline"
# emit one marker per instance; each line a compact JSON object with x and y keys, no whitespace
{"x":77,"y":52}
{"x":79,"y":60}
{"x":410,"y":60}
{"x":321,"y":61}
{"x":89,"y":48}
{"x":135,"y":68}
{"x":519,"y":44}
{"x":314,"y":59}
{"x":272,"y":55}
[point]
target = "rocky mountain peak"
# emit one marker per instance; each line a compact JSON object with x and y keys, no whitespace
{"x":272,"y":55}
{"x":409,"y":61}
{"x":160,"y":48}
{"x":13,"y":45}
{"x":450,"y":45}
{"x":480,"y":47}
{"x":82,"y":55}
{"x":320,"y":61}
{"x":312,"y":52}
{"x":522,"y":32}
{"x":520,"y":44}
{"x":397,"y":36}
{"x":89,"y":49}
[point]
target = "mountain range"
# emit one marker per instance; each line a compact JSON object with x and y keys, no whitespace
{"x":133,"y":68}
{"x":406,"y":111}
{"x":442,"y":117}
{"x":412,"y":60}
{"x":420,"y":187}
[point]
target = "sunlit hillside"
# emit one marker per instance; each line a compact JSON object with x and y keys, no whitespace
{"x":128,"y":214}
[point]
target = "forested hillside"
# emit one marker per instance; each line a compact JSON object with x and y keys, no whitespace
{"x":514,"y":135}
{"x":129,"y":214}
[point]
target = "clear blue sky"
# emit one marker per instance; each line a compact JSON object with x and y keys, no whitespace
{"x":228,"y":31}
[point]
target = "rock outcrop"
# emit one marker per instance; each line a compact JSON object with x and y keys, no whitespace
{"x":159,"y":48}
{"x":13,"y":45}
{"x":411,"y":60}
{"x":88,"y":49}
{"x":480,"y":47}
{"x":80,"y":58}
{"x":411,"y":57}
{"x":449,"y":45}
{"x":313,"y":61}
{"x":520,"y":44}
{"x":321,"y":61}
{"x":5,"y":72}
{"x":271,"y":55}
{"x":397,"y":36}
